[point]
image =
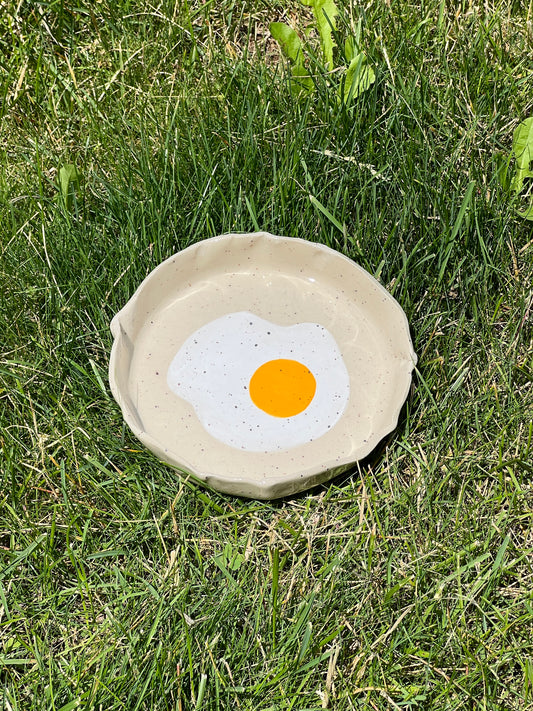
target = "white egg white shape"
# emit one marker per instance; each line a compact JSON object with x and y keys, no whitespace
{"x":213,"y":368}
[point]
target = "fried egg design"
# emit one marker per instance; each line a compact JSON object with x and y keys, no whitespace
{"x":260,"y":387}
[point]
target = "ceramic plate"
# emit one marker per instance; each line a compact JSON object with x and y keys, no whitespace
{"x":262,"y":365}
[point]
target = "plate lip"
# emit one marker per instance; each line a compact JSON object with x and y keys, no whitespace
{"x":279,"y":485}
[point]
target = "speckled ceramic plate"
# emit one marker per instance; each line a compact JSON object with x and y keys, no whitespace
{"x":262,"y":365}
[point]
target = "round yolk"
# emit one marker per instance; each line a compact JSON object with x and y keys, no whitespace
{"x":282,"y":388}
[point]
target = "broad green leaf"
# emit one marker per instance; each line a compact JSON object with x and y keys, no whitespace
{"x":359,"y":77}
{"x":302,"y":82}
{"x":325,"y":12}
{"x":502,"y":163}
{"x":68,"y":175}
{"x":288,"y":40}
{"x":350,"y":49}
{"x":353,"y":42}
{"x":523,"y":151}
{"x":523,"y":143}
{"x":526,"y":214}
{"x":229,"y":559}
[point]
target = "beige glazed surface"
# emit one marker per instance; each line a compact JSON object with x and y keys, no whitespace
{"x":207,"y":320}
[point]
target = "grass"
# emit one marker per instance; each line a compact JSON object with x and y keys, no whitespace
{"x":406,"y":583}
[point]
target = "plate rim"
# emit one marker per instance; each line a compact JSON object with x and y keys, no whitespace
{"x":275,"y":486}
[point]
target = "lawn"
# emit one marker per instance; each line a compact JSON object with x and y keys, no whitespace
{"x":130,"y":130}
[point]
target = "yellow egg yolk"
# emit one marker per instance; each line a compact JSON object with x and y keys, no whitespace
{"x":282,"y":388}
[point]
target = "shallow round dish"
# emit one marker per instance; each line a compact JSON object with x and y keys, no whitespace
{"x":262,"y":365}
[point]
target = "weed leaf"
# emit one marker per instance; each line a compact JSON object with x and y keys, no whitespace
{"x":350,"y":49}
{"x":523,"y":151}
{"x":359,"y":77}
{"x":68,"y":176}
{"x":289,"y":42}
{"x":523,"y":154}
{"x":526,"y":214}
{"x":302,"y":82}
{"x":325,"y":12}
{"x":291,"y":46}
{"x":502,"y":164}
{"x":229,"y":559}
